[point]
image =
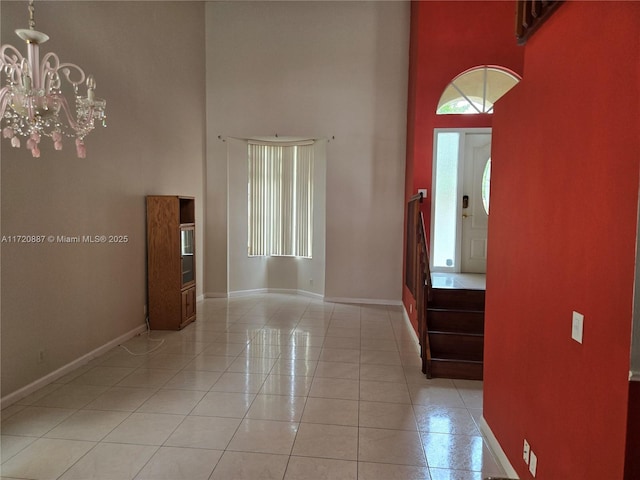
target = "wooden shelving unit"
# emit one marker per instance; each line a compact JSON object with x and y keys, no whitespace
{"x":171,"y":261}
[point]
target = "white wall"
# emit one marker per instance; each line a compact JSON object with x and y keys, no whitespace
{"x":67,"y":300}
{"x":316,"y":69}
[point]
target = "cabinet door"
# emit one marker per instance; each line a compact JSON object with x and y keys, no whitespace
{"x":188,"y":306}
{"x":187,"y":255}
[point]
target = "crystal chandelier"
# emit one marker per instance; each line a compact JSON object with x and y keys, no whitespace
{"x":31,"y":102}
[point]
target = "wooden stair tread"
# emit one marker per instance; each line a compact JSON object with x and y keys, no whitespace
{"x":455,"y":310}
{"x":456,"y":368}
{"x":448,"y":332}
{"x":456,"y":321}
{"x":455,"y":298}
{"x":443,"y":357}
{"x":438,"y":356}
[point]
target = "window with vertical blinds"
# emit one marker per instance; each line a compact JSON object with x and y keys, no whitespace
{"x":280,"y":199}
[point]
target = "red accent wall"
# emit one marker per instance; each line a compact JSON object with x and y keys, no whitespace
{"x":562,"y":237}
{"x":448,"y":38}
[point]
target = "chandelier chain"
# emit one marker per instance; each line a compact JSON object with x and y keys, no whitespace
{"x":32,"y":19}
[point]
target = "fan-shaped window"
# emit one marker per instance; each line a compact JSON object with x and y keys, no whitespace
{"x":476,"y":90}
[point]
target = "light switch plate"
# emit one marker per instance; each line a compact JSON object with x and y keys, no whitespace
{"x":577,"y":326}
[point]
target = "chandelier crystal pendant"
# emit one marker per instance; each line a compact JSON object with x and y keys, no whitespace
{"x":32,"y":104}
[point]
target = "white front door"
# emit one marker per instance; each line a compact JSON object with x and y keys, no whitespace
{"x":459,"y":219}
{"x":474,"y":217}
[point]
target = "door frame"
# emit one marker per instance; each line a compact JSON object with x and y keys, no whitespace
{"x":459,"y":188}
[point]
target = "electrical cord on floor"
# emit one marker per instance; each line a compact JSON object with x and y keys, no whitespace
{"x":161,"y":340}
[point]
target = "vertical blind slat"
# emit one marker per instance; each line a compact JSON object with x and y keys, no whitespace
{"x":280,"y":200}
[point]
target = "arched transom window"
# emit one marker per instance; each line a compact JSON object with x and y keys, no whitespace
{"x":476,"y":90}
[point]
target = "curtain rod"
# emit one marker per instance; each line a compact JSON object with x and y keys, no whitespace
{"x":276,"y":138}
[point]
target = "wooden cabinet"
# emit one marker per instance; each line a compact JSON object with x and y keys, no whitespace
{"x":171,"y":261}
{"x":188,"y":305}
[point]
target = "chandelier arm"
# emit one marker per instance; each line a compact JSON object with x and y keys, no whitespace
{"x":4,"y":100}
{"x":67,"y":68}
{"x":11,"y":61}
{"x":51,"y":64}
{"x":7,"y":59}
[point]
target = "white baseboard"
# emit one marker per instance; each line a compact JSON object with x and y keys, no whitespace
{"x":495,"y":447}
{"x":216,"y":295}
{"x":69,"y":367}
{"x":302,"y":293}
{"x":407,"y":319}
{"x":244,"y":293}
{"x":363,"y":301}
{"x":284,"y":291}
{"x":288,"y":291}
{"x":306,"y":293}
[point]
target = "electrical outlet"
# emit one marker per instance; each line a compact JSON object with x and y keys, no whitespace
{"x":577,"y":326}
{"x":533,"y":464}
{"x":525,"y":452}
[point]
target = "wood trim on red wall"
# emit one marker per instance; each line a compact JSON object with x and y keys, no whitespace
{"x":632,"y":455}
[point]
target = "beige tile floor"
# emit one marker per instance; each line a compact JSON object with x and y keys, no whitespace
{"x":259,"y":387}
